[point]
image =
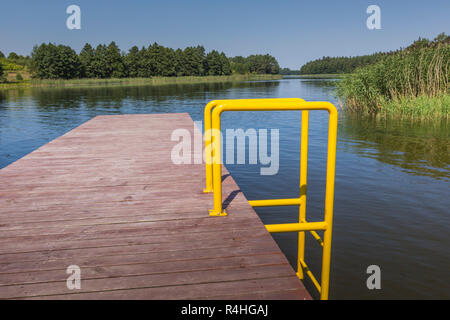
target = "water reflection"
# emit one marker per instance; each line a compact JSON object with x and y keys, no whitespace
{"x":31,"y":117}
{"x":91,"y":96}
{"x":417,"y":147}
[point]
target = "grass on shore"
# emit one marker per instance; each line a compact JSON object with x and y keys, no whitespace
{"x":412,"y":82}
{"x":136,"y":81}
{"x":421,"y":106}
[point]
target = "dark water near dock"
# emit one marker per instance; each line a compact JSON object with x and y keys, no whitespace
{"x":392,"y":176}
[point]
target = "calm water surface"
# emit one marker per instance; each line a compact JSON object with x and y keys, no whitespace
{"x":392,"y":177}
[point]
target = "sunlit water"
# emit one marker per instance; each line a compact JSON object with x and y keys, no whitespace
{"x":392,"y":176}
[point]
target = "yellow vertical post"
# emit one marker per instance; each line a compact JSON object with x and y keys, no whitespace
{"x":208,"y":147}
{"x":303,"y":175}
{"x":329,"y":199}
{"x":216,"y":136}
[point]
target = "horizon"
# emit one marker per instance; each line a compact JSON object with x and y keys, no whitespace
{"x":244,"y":32}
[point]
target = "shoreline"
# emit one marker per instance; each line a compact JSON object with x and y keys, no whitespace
{"x":88,"y":82}
{"x":316,"y":76}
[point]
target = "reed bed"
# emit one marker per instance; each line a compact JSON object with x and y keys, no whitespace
{"x":412,"y":82}
{"x":139,"y":81}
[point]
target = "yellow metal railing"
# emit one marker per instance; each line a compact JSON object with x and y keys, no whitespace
{"x":213,"y":111}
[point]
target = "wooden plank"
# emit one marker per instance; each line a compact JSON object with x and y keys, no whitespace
{"x":193,"y":291}
{"x":107,"y":258}
{"x":145,"y":267}
{"x":166,"y":279}
{"x":107,"y":197}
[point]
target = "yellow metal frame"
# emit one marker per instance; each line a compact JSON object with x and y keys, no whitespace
{"x":208,"y":134}
{"x":214,"y":109}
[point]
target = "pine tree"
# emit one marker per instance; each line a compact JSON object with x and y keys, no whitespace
{"x":114,"y":59}
{"x":86,"y":57}
{"x":132,"y":62}
{"x":144,"y":63}
{"x":180,"y":68}
{"x":213,"y":64}
{"x":194,"y":61}
{"x":225,"y":65}
{"x":100,"y":66}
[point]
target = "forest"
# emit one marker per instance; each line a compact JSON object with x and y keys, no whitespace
{"x":334,"y":65}
{"x":345,"y":65}
{"x":51,"y":61}
{"x":287,"y":71}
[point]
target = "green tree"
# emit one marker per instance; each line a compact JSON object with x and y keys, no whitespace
{"x":217,"y":64}
{"x":263,"y":64}
{"x":13,"y":56}
{"x":55,"y":62}
{"x":239,"y":65}
{"x":86,"y":58}
{"x":441,"y":37}
{"x":169,"y":62}
{"x":161,"y":60}
{"x":225,"y":64}
{"x":194,"y":61}
{"x":68,"y":63}
{"x":419,"y":43}
{"x":114,"y":59}
{"x":99,"y":65}
{"x":132,"y":62}
{"x":213,"y":65}
{"x":145,"y":64}
{"x":2,"y":55}
{"x":106,"y":61}
{"x":340,"y":64}
{"x":256,"y":63}
{"x":287,"y":71}
{"x":180,"y":68}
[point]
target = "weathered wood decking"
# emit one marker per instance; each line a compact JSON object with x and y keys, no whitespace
{"x":107,"y":197}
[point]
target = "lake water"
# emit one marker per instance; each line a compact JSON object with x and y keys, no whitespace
{"x":392,"y":176}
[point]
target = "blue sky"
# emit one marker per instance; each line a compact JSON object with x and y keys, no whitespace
{"x":292,"y":31}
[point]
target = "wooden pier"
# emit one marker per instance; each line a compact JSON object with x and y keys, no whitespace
{"x":107,"y":197}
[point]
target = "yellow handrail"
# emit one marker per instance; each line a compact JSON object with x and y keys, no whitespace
{"x":208,"y":136}
{"x":213,"y":111}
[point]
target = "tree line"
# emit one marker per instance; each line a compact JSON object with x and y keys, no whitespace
{"x":332,"y":65}
{"x":13,"y":62}
{"x":51,"y":61}
{"x":15,"y":58}
{"x":257,"y":63}
{"x":287,"y":71}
